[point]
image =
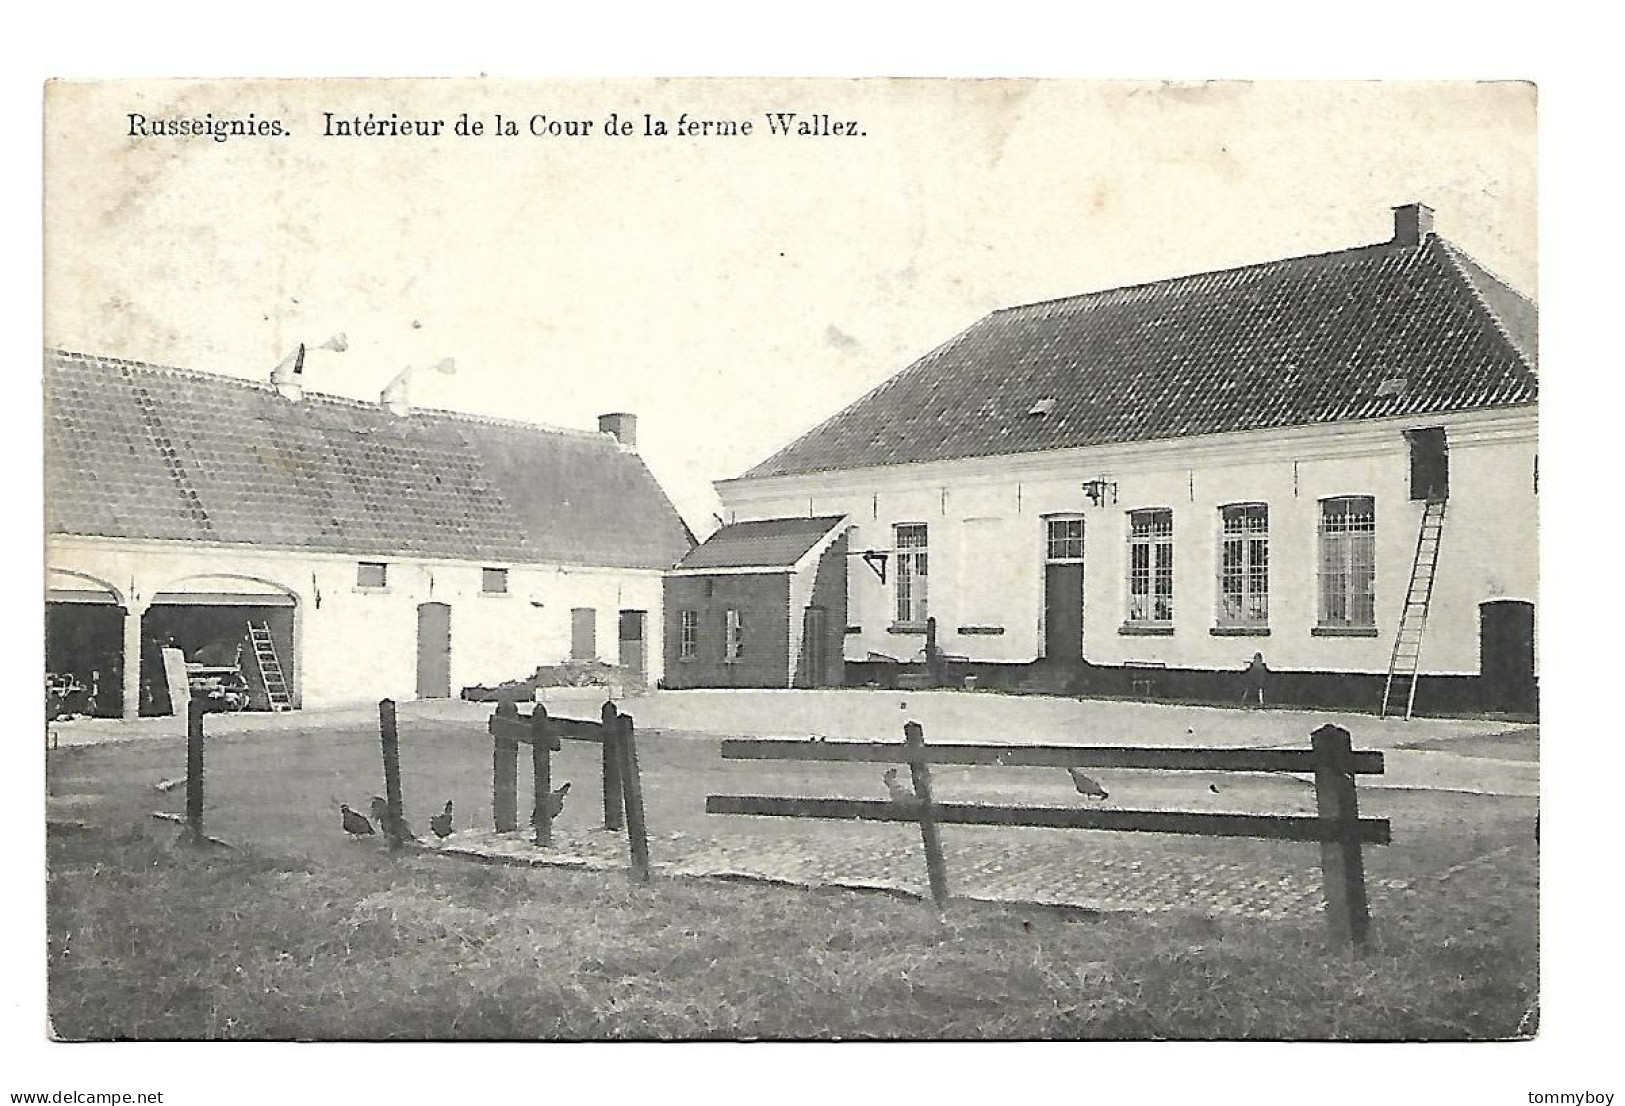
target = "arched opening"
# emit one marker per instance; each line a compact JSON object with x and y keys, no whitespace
{"x":84,"y":636}
{"x":223,"y":623}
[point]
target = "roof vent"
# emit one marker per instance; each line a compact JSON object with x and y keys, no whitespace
{"x":1042,"y":407}
{"x":289,"y":376}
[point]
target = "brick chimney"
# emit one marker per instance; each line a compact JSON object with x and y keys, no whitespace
{"x":621,"y":424}
{"x":1412,"y":224}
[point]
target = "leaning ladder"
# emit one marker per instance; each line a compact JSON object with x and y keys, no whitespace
{"x":276,"y":685}
{"x":1413,"y":620}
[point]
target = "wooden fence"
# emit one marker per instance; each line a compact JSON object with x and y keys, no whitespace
{"x":1331,"y":760}
{"x":623,"y":784}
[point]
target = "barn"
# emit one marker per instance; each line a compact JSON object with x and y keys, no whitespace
{"x":333,"y":551}
{"x":1316,"y":473}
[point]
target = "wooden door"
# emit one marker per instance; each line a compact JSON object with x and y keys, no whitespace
{"x":1063,"y":611}
{"x":434,"y":651}
{"x":632,"y":647}
{"x":1506,"y":662}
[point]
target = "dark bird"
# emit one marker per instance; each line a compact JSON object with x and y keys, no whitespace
{"x":441,"y":823}
{"x":355,"y":824}
{"x":555,"y":800}
{"x":899,"y":793}
{"x":1088,"y":788}
{"x":380,"y":815}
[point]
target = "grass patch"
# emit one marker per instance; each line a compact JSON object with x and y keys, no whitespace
{"x":149,"y":940}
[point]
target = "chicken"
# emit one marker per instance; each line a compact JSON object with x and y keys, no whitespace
{"x":356,"y":825}
{"x":555,"y":800}
{"x":441,"y":823}
{"x":400,"y":830}
{"x":1088,"y":788}
{"x":899,"y":793}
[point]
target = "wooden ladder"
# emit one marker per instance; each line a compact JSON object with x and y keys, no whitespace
{"x":276,"y":685}
{"x":1406,"y":658}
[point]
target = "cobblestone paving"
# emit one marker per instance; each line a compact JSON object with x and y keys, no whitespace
{"x":1025,"y":866}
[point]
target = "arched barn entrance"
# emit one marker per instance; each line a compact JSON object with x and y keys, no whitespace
{"x":214,"y":621}
{"x":84,"y":646}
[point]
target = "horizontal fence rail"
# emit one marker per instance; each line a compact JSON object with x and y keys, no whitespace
{"x":1303,"y":761}
{"x":1278,"y":827}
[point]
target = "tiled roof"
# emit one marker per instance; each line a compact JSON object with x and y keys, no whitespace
{"x":1302,"y":341}
{"x":776,"y":543}
{"x":142,"y":451}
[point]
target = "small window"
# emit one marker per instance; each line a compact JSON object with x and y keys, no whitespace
{"x":494,"y":581}
{"x":1151,"y":567}
{"x":733,"y":626}
{"x":1244,"y":565}
{"x":371,"y":574}
{"x":1065,"y":540}
{"x":688,"y":635}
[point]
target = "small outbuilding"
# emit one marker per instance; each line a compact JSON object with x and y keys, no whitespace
{"x":760,"y":604}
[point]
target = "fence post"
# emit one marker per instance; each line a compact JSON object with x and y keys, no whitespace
{"x":612,"y":768}
{"x":194,"y":766}
{"x":541,"y":768}
{"x":632,"y":783}
{"x":1342,"y":867}
{"x":936,"y":868}
{"x":505,"y":774}
{"x":389,"y":736}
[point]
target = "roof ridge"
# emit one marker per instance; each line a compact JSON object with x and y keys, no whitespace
{"x":1147,"y":286}
{"x":1455,"y":255}
{"x":515,"y":424}
{"x":310,"y":394}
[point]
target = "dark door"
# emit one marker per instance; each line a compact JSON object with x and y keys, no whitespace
{"x":1506,"y":660}
{"x":814,"y":648}
{"x":583,"y":634}
{"x":434,"y":651}
{"x":1063,"y":611}
{"x":632,"y":647}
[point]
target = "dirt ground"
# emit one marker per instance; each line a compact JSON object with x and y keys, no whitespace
{"x":1455,"y":792}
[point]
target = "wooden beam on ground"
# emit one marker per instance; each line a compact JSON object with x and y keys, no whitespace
{"x":1282,"y":827}
{"x":1181,"y":759}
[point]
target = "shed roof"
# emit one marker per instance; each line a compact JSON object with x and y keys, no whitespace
{"x":134,"y":450}
{"x":773,"y":544}
{"x":1371,"y":332}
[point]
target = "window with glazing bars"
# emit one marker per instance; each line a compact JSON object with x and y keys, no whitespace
{"x":909,"y":541}
{"x":688,"y":635}
{"x":733,"y":630}
{"x":1151,"y":566}
{"x":1244,"y":565}
{"x":1065,"y":540}
{"x":1348,"y":561}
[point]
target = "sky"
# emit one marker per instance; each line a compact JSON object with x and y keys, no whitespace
{"x":730,"y":290}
